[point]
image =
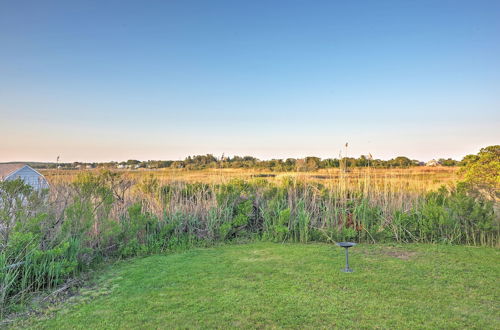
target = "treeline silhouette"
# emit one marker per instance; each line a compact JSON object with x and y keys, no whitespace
{"x":199,"y":162}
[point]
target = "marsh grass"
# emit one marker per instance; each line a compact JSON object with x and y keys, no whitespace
{"x":100,"y":215}
{"x":413,"y":178}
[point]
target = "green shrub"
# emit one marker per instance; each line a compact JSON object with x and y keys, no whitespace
{"x":43,"y":244}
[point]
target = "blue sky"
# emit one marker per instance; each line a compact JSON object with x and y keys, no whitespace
{"x":115,"y":80}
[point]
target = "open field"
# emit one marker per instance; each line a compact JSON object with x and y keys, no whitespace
{"x":413,"y":178}
{"x":269,"y":285}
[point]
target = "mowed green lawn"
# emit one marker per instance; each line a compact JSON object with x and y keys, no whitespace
{"x":292,"y":286}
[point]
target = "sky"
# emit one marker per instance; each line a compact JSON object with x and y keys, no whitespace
{"x":117,"y":80}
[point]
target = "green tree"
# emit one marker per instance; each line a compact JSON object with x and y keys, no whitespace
{"x":483,"y":173}
{"x":362,"y":161}
{"x":312,"y":163}
{"x":133,"y":162}
{"x":468,"y":159}
{"x":448,"y":162}
{"x":401,"y":161}
{"x":18,"y":203}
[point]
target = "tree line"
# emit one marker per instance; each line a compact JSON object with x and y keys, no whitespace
{"x":199,"y":162}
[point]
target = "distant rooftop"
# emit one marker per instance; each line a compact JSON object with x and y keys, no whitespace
{"x":6,"y":169}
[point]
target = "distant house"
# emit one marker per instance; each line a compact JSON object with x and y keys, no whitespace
{"x":24,"y":172}
{"x":432,"y":162}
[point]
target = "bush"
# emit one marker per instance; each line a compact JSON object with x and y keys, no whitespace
{"x":48,"y":239}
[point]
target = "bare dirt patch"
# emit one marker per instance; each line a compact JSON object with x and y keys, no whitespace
{"x":260,"y":255}
{"x":400,"y":254}
{"x":392,"y":252}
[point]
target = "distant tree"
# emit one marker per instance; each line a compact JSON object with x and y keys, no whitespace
{"x":277,"y":165}
{"x":312,"y":163}
{"x":468,"y":159}
{"x":250,"y":159}
{"x":448,"y":162}
{"x":290,"y":164}
{"x":347,"y":162}
{"x":108,"y":165}
{"x":300,"y":165}
{"x":177,"y":164}
{"x":362,"y":161}
{"x":378,"y":163}
{"x":329,"y":163}
{"x":401,"y":161}
{"x":416,"y":162}
{"x":158,"y":163}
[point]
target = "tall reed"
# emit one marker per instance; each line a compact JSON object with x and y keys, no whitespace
{"x":106,"y":215}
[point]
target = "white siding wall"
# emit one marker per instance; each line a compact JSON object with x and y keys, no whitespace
{"x":31,"y":177}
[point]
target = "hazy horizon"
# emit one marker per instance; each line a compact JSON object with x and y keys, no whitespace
{"x":97,"y":81}
{"x":340,"y":153}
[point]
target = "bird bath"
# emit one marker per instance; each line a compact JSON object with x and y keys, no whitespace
{"x":346,"y":245}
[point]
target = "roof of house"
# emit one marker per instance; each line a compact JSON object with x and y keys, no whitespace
{"x":6,"y":169}
{"x":432,"y":162}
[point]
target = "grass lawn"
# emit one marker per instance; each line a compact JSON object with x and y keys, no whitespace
{"x":292,"y":286}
